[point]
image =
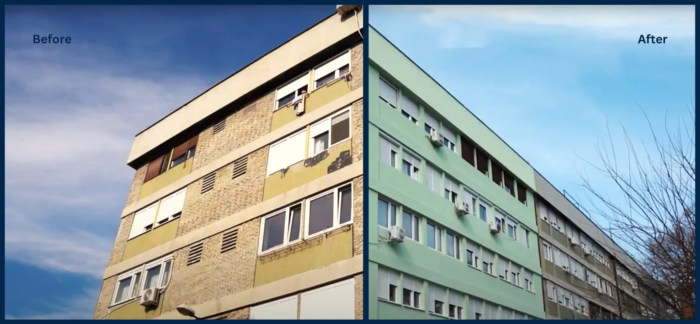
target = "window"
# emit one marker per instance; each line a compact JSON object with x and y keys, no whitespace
{"x":157,"y":214}
{"x":331,"y":70}
{"x":472,"y":253}
{"x":129,"y":285}
{"x":387,"y":284}
{"x":467,"y":150}
{"x":286,"y":152}
{"x":543,"y":212}
{"x":529,"y":284}
{"x":451,"y":189}
{"x":143,"y":220}
{"x":387,"y":214}
{"x":475,"y":305}
{"x":449,"y":138}
{"x":411,"y":226}
{"x":412,"y":288}
{"x":506,"y":313}
{"x":551,"y":291}
{"x":455,"y":300}
{"x":500,"y":219}
{"x":524,"y":236}
{"x":388,"y":152}
{"x":322,"y":212}
{"x":434,"y":237}
{"x":497,"y":174}
{"x":512,"y":228}
{"x":482,"y":162}
{"x":508,"y":183}
{"x":576,"y":269}
{"x":409,"y":109}
{"x":432,"y":179}
{"x":515,"y":274}
{"x":387,"y":92}
{"x":547,"y":251}
{"x":483,"y":212}
{"x":487,"y":261}
{"x":452,"y":245}
{"x":345,"y":204}
{"x":469,"y":198}
{"x":329,"y":132}
{"x":591,"y":278}
{"x":502,"y":268}
{"x":430,"y":122}
{"x":280,"y":228}
{"x":410,"y":166}
{"x":437,"y":298}
{"x":292,"y":91}
{"x":522,"y":193}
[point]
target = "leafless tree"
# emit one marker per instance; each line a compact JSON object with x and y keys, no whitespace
{"x":655,"y":217}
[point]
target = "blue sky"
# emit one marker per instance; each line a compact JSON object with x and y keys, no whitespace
{"x":551,"y":80}
{"x":72,"y":111}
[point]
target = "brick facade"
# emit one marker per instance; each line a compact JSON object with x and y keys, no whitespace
{"x":120,"y":242}
{"x":105,"y":298}
{"x":136,"y":185}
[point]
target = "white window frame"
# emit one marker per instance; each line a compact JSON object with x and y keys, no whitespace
{"x":414,"y":303}
{"x":329,"y":120}
{"x":336,"y":71}
{"x":388,"y":210}
{"x":553,"y":294}
{"x":415,"y":225}
{"x":547,"y":252}
{"x":433,"y":171}
{"x":455,"y":245}
{"x":446,"y":141}
{"x":475,"y":255}
{"x":510,"y":222}
{"x":396,"y":91}
{"x":487,"y":207}
{"x":399,"y":292}
{"x":281,"y":142}
{"x":305,"y":76}
{"x":414,"y":170}
{"x":411,"y":117}
{"x":142,"y":281}
{"x":437,"y":236}
{"x":287,"y":228}
{"x":392,"y":144}
{"x":336,"y":210}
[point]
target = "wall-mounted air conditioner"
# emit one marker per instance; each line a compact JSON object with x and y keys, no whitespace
{"x":462,"y":208}
{"x":494,"y":227}
{"x":149,"y":297}
{"x":436,"y":138}
{"x":396,"y":234}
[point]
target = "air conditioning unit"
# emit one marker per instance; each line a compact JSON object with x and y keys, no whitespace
{"x":574,"y":243}
{"x":587,"y":251}
{"x":436,"y":138}
{"x":462,"y":208}
{"x":494,"y":227}
{"x":396,"y":235}
{"x":344,"y":9}
{"x":566,"y":269}
{"x":149,"y":297}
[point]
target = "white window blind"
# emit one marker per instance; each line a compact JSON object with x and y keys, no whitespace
{"x":518,"y":315}
{"x":486,"y":256}
{"x":451,"y":185}
{"x":522,"y":235}
{"x":171,"y":205}
{"x":336,"y":301}
{"x":436,"y":293}
{"x":551,"y":291}
{"x":475,"y":305}
{"x":386,"y":277}
{"x":143,"y":218}
{"x":414,"y":285}
{"x":385,"y":149}
{"x":387,"y":92}
{"x":410,"y":158}
{"x":506,"y":313}
{"x":432,"y":179}
{"x":544,"y":213}
{"x":409,"y":106}
{"x":430,"y":120}
{"x":500,"y":215}
{"x":286,"y":152}
{"x":502,"y":267}
{"x":285,"y":308}
{"x":319,"y":128}
{"x":292,"y":86}
{"x":490,"y":310}
{"x":456,"y":298}
{"x":448,"y":134}
{"x":332,"y":65}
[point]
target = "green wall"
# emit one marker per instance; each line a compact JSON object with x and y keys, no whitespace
{"x":416,"y":258}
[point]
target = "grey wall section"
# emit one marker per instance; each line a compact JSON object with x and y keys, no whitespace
{"x":554,"y":197}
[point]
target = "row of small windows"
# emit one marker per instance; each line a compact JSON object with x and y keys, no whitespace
{"x":471,"y":153}
{"x":564,"y":261}
{"x":449,"y":243}
{"x":558,"y":222}
{"x":566,"y":298}
{"x":406,"y":290}
{"x":411,"y":165}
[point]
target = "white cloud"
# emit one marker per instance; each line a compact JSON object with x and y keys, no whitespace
{"x":81,"y":306}
{"x":71,"y":116}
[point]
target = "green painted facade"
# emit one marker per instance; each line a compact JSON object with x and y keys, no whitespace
{"x":416,"y":258}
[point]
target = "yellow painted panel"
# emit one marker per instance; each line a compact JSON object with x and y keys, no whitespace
{"x":156,"y":237}
{"x":134,"y":310}
{"x":299,"y":174}
{"x":166,"y":178}
{"x":317,"y":99}
{"x":316,"y":253}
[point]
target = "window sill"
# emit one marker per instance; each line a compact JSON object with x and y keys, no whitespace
{"x":439,"y":315}
{"x":328,"y":148}
{"x":279,"y":248}
{"x":344,"y":226}
{"x":334,"y":81}
{"x":123,"y":302}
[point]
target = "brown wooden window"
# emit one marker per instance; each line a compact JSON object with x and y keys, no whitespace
{"x":156,"y":166}
{"x":509,"y":183}
{"x":467,"y":151}
{"x":482,"y":162}
{"x":496,"y":173}
{"x":522,"y":193}
{"x":184,"y":151}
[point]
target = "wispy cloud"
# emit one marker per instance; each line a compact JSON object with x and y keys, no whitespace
{"x":71,"y":114}
{"x":80,"y":306}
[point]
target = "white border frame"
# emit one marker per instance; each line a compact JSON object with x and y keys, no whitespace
{"x":336,"y":71}
{"x":142,"y":269}
{"x":395,"y":89}
{"x":347,"y":109}
{"x":296,"y":96}
{"x":336,"y":210}
{"x":287,"y":227}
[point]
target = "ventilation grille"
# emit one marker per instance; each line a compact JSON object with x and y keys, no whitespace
{"x":218,"y":127}
{"x":208,"y":182}
{"x":229,"y":241}
{"x":240,"y":166}
{"x":195,"y":254}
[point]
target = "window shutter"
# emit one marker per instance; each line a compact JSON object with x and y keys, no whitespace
{"x":332,"y":65}
{"x":143,"y":218}
{"x":387,"y":92}
{"x":239,"y":167}
{"x":153,"y":169}
{"x":448,"y":134}
{"x":430,"y":120}
{"x":229,"y":240}
{"x":467,"y":151}
{"x":218,"y":127}
{"x":208,"y":182}
{"x":171,"y":205}
{"x":182,"y":148}
{"x":409,"y":106}
{"x":195,"y":254}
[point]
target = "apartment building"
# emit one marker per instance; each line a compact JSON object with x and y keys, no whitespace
{"x":586,"y":274}
{"x":452,"y":223}
{"x":247,"y":201}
